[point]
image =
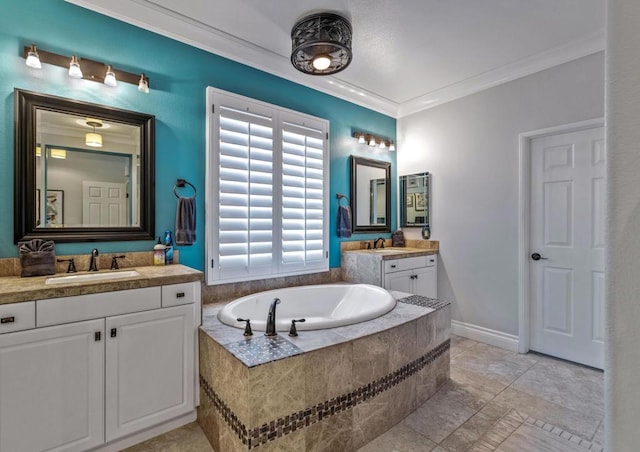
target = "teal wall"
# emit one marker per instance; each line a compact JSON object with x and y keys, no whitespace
{"x":179,"y":75}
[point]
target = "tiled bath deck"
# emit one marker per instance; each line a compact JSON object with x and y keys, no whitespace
{"x":495,"y":400}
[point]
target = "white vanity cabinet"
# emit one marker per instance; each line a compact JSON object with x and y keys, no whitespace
{"x":415,"y":275}
{"x":51,"y":388}
{"x":91,"y":372}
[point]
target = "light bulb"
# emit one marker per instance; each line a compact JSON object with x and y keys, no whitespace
{"x":74,"y":68}
{"x":372,"y":141}
{"x":33,"y":59}
{"x":392,"y":147}
{"x":383,"y":145}
{"x":110,"y":77}
{"x":143,"y":85}
{"x":321,"y":62}
{"x":361,"y":139}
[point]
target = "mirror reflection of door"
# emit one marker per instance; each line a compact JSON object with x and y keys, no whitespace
{"x":371,"y":187}
{"x":377,"y":202}
{"x":94,"y":164}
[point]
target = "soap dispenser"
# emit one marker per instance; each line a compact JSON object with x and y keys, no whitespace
{"x":168,"y":248}
{"x":158,"y":253}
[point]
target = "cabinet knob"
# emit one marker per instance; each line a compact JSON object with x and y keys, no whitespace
{"x":4,"y":320}
{"x":180,"y":295}
{"x":114,"y":332}
{"x":393,"y":266}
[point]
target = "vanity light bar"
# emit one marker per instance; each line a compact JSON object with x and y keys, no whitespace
{"x":91,"y":70}
{"x":373,"y":140}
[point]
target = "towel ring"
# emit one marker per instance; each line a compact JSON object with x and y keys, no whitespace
{"x":340,"y":196}
{"x":180,"y":183}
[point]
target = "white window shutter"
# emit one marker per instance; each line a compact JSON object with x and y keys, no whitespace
{"x":267,"y":178}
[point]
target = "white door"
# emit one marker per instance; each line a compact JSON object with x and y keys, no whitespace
{"x":567,"y":245}
{"x":150,"y":369}
{"x":52,"y":388}
{"x":104,"y":204}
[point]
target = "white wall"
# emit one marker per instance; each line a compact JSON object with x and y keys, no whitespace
{"x":470,"y":146}
{"x":622,"y":333}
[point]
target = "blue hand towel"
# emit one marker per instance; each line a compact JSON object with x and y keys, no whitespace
{"x":344,"y":221}
{"x":186,"y":221}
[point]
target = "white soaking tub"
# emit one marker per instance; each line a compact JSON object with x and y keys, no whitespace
{"x":323,"y":306}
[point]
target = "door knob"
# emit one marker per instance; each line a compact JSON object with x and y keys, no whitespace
{"x":537,"y":257}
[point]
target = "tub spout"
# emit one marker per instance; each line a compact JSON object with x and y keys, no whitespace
{"x":271,"y":319}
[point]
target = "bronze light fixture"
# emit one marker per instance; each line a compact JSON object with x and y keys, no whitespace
{"x":374,"y":140}
{"x":321,"y":44}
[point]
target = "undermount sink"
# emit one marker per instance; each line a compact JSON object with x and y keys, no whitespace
{"x":89,"y":277}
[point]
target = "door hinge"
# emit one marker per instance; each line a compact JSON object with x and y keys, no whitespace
{"x":97,"y":336}
{"x":114,"y":332}
{"x":213,"y":108}
{"x":212,"y":263}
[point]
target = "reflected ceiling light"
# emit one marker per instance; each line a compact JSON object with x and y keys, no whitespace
{"x":321,"y":44}
{"x":93,"y":139}
{"x":74,"y":68}
{"x":110,"y":77}
{"x":33,"y":59}
{"x":38,"y":151}
{"x":143,"y":85}
{"x":58,"y":154}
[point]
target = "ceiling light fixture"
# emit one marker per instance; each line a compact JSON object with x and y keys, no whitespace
{"x":74,"y":68}
{"x":93,"y":139}
{"x":321,"y":44}
{"x":110,"y":77}
{"x":33,"y":59}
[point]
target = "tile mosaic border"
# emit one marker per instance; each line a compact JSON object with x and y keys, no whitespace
{"x":510,"y":422}
{"x":253,"y":438}
{"x":262,"y":349}
{"x":425,"y":302}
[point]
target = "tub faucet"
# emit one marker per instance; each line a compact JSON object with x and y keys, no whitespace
{"x":93,"y":266}
{"x":271,"y":318}
{"x":375,"y":244}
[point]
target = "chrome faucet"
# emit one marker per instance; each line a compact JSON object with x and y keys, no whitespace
{"x":271,"y":318}
{"x":93,"y":266}
{"x":375,"y":244}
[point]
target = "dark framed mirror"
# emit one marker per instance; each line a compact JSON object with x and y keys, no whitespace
{"x":83,"y":172}
{"x":415,"y":201}
{"x":370,"y":195}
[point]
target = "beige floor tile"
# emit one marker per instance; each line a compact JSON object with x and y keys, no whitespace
{"x":437,"y":419}
{"x":470,"y":389}
{"x":528,"y":438}
{"x":579,"y":423}
{"x":598,"y":438}
{"x":571,"y":386}
{"x":468,"y":433}
{"x":494,"y":363}
{"x":189,"y":438}
{"x":400,"y":438}
{"x":460,"y":344}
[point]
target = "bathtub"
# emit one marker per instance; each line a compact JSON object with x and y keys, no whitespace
{"x":323,"y":306}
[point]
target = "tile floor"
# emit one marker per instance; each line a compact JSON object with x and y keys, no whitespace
{"x":495,"y":401}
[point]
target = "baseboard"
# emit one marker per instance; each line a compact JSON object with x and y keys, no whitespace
{"x":486,"y":335}
{"x":149,"y":433}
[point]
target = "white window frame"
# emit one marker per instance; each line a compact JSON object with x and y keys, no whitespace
{"x":213,"y":99}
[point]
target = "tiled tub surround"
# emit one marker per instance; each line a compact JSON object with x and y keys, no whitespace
{"x":324,"y":390}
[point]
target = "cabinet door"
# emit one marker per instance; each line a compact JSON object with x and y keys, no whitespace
{"x":400,"y":281}
{"x":150,"y":369}
{"x":425,"y":282}
{"x":52,"y":388}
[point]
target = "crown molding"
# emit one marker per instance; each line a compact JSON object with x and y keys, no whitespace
{"x":163,"y":21}
{"x":588,"y":45}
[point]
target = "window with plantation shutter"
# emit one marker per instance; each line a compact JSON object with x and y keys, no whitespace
{"x":267,"y":173}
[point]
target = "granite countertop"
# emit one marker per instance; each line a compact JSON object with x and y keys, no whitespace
{"x":15,"y":289}
{"x":394,"y":252}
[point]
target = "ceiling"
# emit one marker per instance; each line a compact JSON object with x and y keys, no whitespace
{"x":409,"y":55}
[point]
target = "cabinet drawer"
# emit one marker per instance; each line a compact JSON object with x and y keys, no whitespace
{"x":177,"y":294}
{"x":93,"y":306}
{"x":397,"y":265}
{"x":17,"y":316}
